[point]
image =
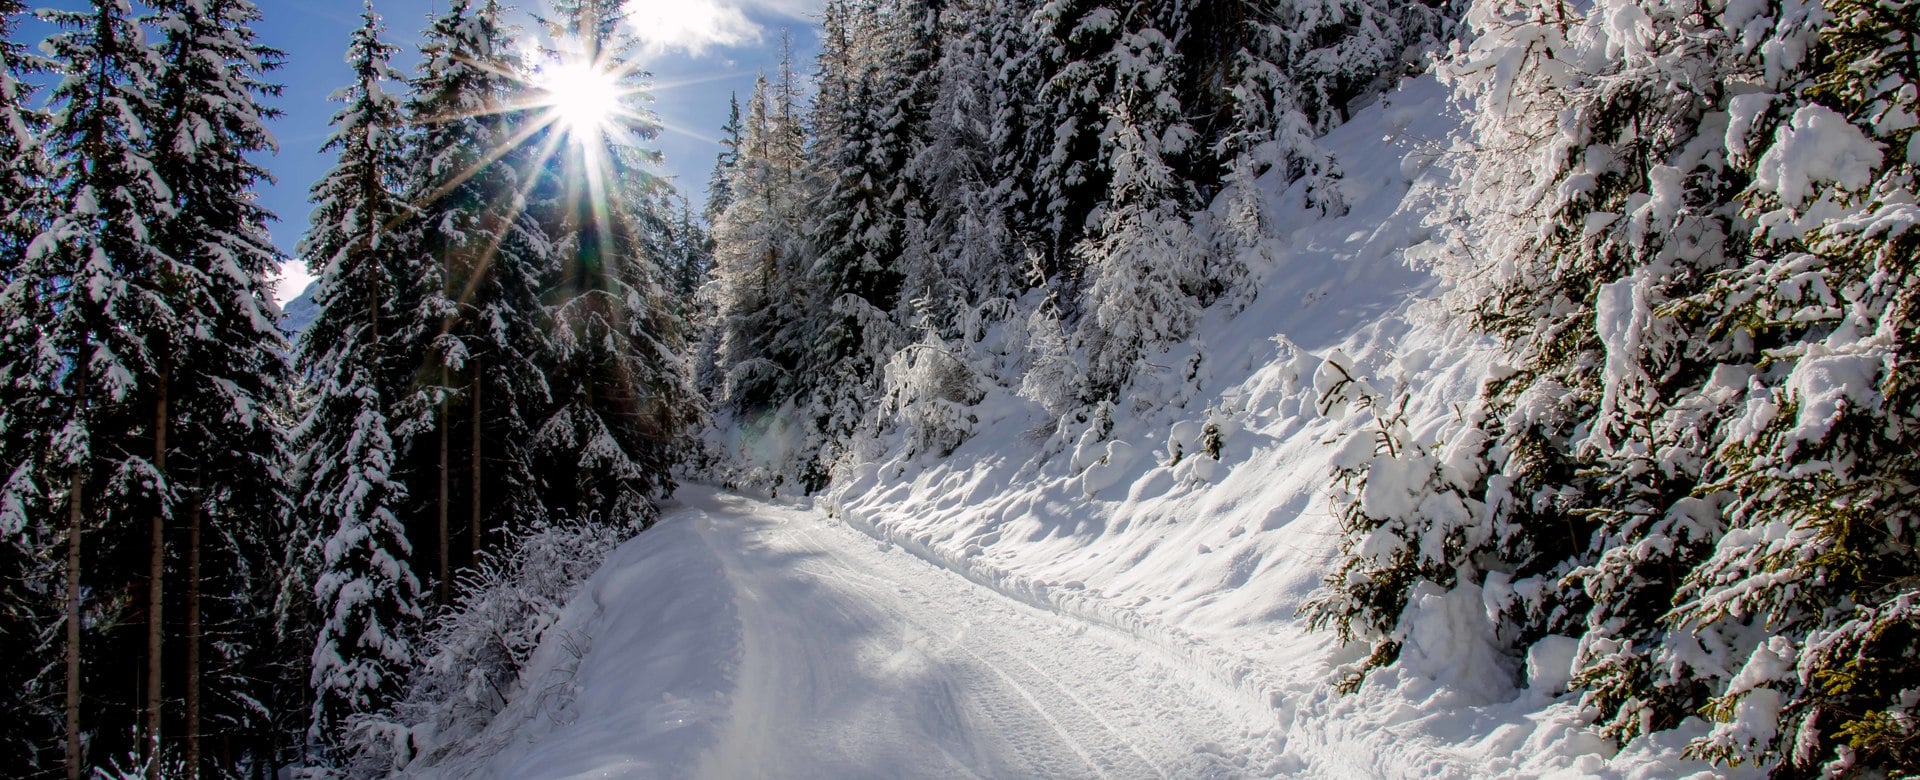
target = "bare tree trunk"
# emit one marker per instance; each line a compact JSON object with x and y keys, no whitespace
{"x":156,"y":580}
{"x":440,"y":588}
{"x":473,"y":520}
{"x":193,"y":641}
{"x":75,"y":515}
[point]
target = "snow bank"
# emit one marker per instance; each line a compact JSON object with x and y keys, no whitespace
{"x":629,"y":682}
{"x":1147,"y":531}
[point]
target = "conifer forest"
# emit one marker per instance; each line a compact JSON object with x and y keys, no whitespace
{"x":1033,"y":388}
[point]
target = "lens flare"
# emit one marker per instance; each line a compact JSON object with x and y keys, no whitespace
{"x":583,"y":98}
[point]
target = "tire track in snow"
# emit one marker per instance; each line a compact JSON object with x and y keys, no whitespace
{"x":1053,"y":680}
{"x":1026,"y":693}
{"x":997,"y":687}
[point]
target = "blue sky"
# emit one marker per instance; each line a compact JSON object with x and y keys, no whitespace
{"x":699,"y":51}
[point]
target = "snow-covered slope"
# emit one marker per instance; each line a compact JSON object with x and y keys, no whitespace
{"x":1213,"y":559}
{"x":299,"y":313}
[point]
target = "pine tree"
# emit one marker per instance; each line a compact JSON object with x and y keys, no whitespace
{"x":1069,"y":44}
{"x":27,"y":584}
{"x":689,"y":254}
{"x":229,"y":374}
{"x":476,"y":260}
{"x":756,"y":262}
{"x":720,"y":183}
{"x":1701,"y":462}
{"x":619,"y":340}
{"x":1819,"y":461}
{"x":22,"y":165}
{"x":1018,"y":133}
{"x":868,"y":130}
{"x":1145,"y":274}
{"x":1582,"y":487}
{"x":960,"y":253}
{"x":95,"y":280}
{"x":367,"y":595}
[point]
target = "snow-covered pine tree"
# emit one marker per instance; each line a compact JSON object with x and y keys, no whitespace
{"x":757,"y":274}
{"x":22,"y":165}
{"x":1595,"y":201}
{"x":477,"y":259}
{"x":720,"y":183}
{"x":1068,"y":56}
{"x":704,"y":302}
{"x":28,"y":584}
{"x":366,"y":594}
{"x":229,"y":430}
{"x":1262,"y":122}
{"x":868,"y":129}
{"x":1695,"y":245}
{"x":620,"y":377}
{"x":98,"y":279}
{"x":1016,"y":128}
{"x":1810,"y":596}
{"x":689,"y":256}
{"x":1340,"y":51}
{"x":961,"y":264}
{"x":1146,"y":274}
{"x":1624,"y":206}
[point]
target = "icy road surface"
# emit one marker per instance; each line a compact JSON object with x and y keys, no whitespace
{"x":740,"y":639}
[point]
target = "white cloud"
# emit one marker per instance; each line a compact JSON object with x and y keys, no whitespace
{"x":292,"y":281}
{"x":693,"y":26}
{"x":690,"y":26}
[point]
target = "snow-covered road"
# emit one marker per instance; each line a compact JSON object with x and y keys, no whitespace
{"x":863,"y":661}
{"x":741,"y":639}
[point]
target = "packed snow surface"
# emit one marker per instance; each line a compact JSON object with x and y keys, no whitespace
{"x":742,"y":639}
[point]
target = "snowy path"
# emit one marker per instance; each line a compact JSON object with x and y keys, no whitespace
{"x":862,"y":661}
{"x":839,"y":657}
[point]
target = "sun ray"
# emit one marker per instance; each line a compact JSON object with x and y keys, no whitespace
{"x":518,"y":206}
{"x":488,"y":158}
{"x":689,"y":133}
{"x":694,"y":81}
{"x":585,"y":104}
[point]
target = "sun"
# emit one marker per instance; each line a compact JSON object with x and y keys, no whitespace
{"x":582,"y":97}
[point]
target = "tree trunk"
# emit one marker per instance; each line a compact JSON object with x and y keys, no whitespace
{"x":156,"y":580}
{"x":75,"y":491}
{"x":440,"y":588}
{"x":193,"y":641}
{"x":473,"y":520}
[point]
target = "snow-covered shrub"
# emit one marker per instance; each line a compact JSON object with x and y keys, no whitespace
{"x":1146,"y":270}
{"x":472,"y":656}
{"x":1406,"y":515}
{"x":929,"y":389}
{"x":1053,"y":378}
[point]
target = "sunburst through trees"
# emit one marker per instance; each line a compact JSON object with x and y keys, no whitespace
{"x":502,"y":324}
